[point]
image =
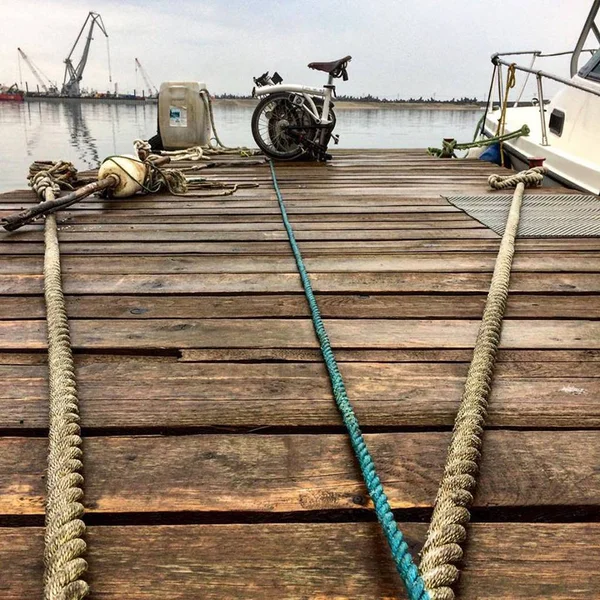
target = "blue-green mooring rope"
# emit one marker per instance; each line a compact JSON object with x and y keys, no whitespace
{"x":400,"y":553}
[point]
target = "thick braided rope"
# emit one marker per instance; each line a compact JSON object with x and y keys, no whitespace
{"x":172,"y":180}
{"x":64,"y":543}
{"x":56,"y":174}
{"x":449,"y":146}
{"x":447,"y":530}
{"x":193,"y":153}
{"x":399,"y":549}
{"x":143,"y":145}
{"x":530,"y":177}
{"x":220,"y":147}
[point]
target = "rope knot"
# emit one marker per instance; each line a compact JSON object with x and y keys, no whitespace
{"x":42,"y":181}
{"x":54,"y":175}
{"x":529,"y":177}
{"x":142,"y":145}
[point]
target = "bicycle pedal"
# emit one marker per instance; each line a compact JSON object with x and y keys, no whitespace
{"x":336,"y":139}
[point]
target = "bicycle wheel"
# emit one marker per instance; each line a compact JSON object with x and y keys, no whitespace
{"x":278,"y":126}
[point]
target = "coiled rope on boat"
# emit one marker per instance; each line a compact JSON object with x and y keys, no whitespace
{"x":63,"y":539}
{"x":442,"y":549}
{"x":450,"y":145}
{"x":511,"y":80}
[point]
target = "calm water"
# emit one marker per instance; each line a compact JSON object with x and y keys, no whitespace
{"x":84,"y":133}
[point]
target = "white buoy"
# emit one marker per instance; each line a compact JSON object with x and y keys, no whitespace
{"x":130,"y":172}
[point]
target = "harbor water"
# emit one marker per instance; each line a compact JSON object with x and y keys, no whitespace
{"x":86,"y":132}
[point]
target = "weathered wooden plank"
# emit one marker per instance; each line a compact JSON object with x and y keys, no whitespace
{"x":553,"y":359}
{"x":308,"y":248}
{"x":299,"y":473}
{"x":324,"y":194}
{"x":339,"y":561}
{"x":570,"y":363}
{"x":273,"y":283}
{"x":141,"y":392}
{"x":357,"y":306}
{"x":226,"y":226}
{"x":80,"y":215}
{"x":299,"y":333}
{"x":265,"y":202}
{"x":158,"y":236}
{"x":270,"y":247}
{"x":447,"y":262}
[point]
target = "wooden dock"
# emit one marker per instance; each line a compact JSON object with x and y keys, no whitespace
{"x":216,"y":465}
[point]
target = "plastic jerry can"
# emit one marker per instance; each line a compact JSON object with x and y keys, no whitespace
{"x":183,"y":121}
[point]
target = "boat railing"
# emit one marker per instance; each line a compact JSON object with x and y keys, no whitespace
{"x":499,"y":62}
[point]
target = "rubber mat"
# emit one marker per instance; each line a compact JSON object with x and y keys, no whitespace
{"x":542,"y":215}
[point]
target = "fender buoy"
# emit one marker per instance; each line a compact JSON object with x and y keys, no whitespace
{"x":130,"y":171}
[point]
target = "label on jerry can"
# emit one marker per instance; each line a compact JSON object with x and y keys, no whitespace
{"x":177,"y":116}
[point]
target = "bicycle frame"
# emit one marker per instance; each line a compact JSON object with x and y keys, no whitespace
{"x":307,"y":93}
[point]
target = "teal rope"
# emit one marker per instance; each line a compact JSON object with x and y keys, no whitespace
{"x":402,"y":558}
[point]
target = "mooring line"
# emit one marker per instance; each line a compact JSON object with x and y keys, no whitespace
{"x":64,"y":534}
{"x":447,"y":530}
{"x":400,"y":553}
{"x":64,"y":537}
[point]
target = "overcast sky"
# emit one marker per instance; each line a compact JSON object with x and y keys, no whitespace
{"x":399,"y":47}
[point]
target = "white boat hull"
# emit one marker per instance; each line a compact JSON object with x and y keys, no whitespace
{"x":573,"y":154}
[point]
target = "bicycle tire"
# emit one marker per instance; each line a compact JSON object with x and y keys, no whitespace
{"x":271,"y":137}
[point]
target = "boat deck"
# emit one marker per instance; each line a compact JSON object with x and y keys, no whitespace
{"x":216,"y":465}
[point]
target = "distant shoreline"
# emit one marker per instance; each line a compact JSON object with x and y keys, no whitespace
{"x":251,"y":103}
{"x":91,"y":99}
{"x":370,"y":105}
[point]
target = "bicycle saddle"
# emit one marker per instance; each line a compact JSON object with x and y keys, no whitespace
{"x":336,"y":68}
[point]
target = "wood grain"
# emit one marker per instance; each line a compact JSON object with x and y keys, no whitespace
{"x":146,"y":393}
{"x":357,"y":306}
{"x":343,"y":561}
{"x":274,"y":283}
{"x":299,"y":333}
{"x":300,"y":473}
{"x":537,"y":246}
{"x":448,"y":262}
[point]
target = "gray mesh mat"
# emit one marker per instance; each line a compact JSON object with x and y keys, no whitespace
{"x":542,"y":215}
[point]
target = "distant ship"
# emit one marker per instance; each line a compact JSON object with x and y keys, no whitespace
{"x":11,"y":94}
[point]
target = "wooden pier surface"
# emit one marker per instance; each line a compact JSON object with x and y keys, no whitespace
{"x":216,"y":465}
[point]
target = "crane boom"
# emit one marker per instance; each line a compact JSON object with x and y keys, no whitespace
{"x":37,"y":73}
{"x":73,"y":75}
{"x":152,"y":89}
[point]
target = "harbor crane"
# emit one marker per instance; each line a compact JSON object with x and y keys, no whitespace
{"x":73,"y":75}
{"x":152,"y":89}
{"x":44,"y":81}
